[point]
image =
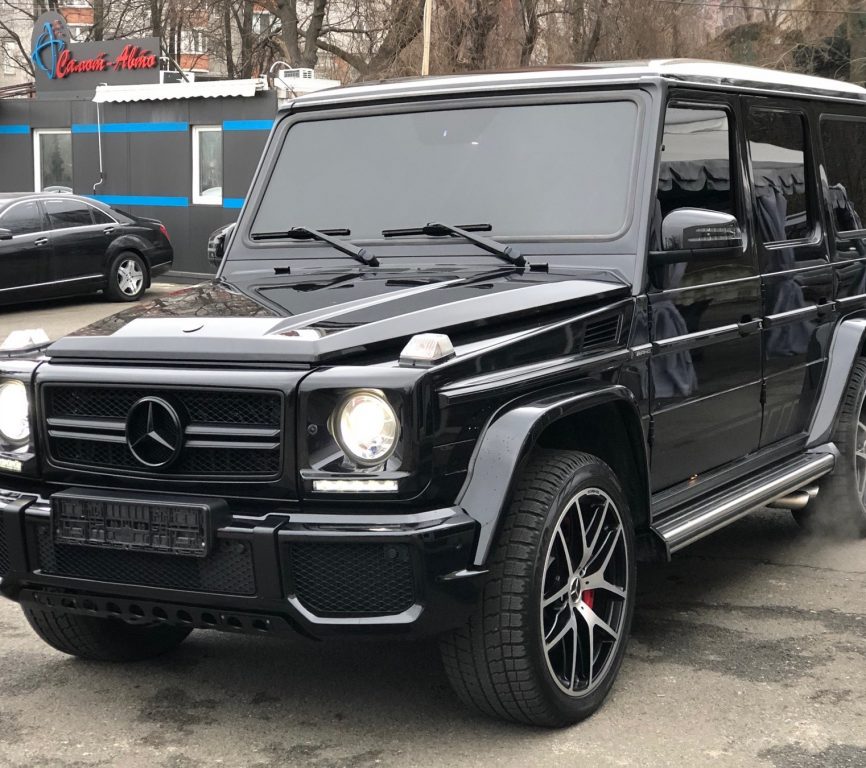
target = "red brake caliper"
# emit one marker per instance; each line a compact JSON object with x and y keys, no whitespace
{"x":588,"y":597}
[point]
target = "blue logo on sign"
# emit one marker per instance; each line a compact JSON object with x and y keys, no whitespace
{"x":47,"y":50}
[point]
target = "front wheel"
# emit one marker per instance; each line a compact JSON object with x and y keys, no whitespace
{"x":127,"y":277}
{"x":549,"y":635}
{"x":103,"y":639}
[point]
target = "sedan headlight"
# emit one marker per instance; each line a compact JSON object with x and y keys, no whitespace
{"x":366,"y":427}
{"x":14,"y":413}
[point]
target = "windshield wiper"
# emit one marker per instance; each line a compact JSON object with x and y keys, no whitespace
{"x":437,"y":229}
{"x":324,"y":236}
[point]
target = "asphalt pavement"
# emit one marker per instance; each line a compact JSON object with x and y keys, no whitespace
{"x":748,"y":650}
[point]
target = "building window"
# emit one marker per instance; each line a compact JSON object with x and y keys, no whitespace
{"x":193,"y":41}
{"x":52,"y":160}
{"x":207,"y":165}
{"x":78,"y":32}
{"x":264,"y":23}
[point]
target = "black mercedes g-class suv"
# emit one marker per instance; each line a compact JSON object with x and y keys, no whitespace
{"x":477,"y":345}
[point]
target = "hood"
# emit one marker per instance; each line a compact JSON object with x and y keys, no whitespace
{"x":316,"y":317}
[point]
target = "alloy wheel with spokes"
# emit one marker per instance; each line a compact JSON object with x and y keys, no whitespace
{"x":127,"y":277}
{"x":545,"y":642}
{"x":130,"y":277}
{"x":583,"y":591}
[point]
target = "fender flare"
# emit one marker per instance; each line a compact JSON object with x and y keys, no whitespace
{"x":845,"y":348}
{"x":506,"y":443}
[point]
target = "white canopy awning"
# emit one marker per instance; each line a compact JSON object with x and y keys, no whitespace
{"x":213,"y":89}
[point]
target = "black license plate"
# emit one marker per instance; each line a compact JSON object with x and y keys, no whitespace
{"x":120,"y":522}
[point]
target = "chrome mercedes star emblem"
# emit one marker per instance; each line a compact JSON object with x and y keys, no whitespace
{"x":154,"y":432}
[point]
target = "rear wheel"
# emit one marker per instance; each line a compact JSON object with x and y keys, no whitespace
{"x":840,"y":506}
{"x":127,"y":277}
{"x":548,"y":638}
{"x":103,"y":639}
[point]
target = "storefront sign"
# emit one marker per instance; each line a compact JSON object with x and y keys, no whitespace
{"x":65,"y":69}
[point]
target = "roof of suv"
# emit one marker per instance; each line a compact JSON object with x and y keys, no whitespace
{"x":703,"y":73}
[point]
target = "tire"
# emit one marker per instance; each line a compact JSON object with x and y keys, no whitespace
{"x":840,"y":506}
{"x":103,"y":639}
{"x":127,"y":277}
{"x":499,"y":662}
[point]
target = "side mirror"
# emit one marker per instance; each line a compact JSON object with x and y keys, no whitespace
{"x":696,"y":229}
{"x":216,"y":244}
{"x":5,"y":234}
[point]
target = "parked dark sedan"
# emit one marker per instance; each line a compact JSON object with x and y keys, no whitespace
{"x":54,"y":244}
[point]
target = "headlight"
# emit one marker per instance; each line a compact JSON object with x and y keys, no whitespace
{"x":366,"y":427}
{"x":14,"y":413}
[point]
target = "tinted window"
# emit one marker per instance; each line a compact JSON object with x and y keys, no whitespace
{"x":777,"y":156}
{"x":68,"y":213}
{"x":22,"y":219}
{"x":100,"y":217}
{"x":844,"y":143}
{"x":540,"y":170}
{"x":696,"y":171}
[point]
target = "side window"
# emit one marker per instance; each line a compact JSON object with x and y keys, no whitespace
{"x":844,"y":144}
{"x":777,"y":155}
{"x":696,"y":170}
{"x":207,"y":165}
{"x":23,"y":219}
{"x":63,"y":214}
{"x":52,"y":156}
{"x":100,"y":217}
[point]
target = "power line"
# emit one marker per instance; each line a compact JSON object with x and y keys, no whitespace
{"x":779,"y":9}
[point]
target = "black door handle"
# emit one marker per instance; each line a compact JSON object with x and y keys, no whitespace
{"x":41,"y":241}
{"x":747,"y":327}
{"x":108,"y":230}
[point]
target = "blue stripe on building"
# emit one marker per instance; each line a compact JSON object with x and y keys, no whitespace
{"x":153,"y":200}
{"x":130,"y":127}
{"x":233,"y":202}
{"x":14,"y":130}
{"x":247,"y":125}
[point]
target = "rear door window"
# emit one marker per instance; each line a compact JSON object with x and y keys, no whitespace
{"x":23,"y":219}
{"x":100,"y":217}
{"x":777,"y":142}
{"x":64,"y":214}
{"x":844,"y":145}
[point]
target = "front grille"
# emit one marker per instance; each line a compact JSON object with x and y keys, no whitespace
{"x":227,"y":570}
{"x":4,"y":548}
{"x":226,"y":433}
{"x":352,"y":579}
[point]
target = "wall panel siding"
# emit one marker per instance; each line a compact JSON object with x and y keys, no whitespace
{"x":146,"y":156}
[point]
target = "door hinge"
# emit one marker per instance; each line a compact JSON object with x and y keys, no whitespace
{"x":763,"y":393}
{"x":651,"y":431}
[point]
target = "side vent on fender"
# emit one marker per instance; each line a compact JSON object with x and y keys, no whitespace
{"x":601,"y":333}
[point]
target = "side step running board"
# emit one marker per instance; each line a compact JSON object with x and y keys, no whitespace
{"x":689,"y":524}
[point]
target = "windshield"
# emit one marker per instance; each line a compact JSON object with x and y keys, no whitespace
{"x":558,"y":170}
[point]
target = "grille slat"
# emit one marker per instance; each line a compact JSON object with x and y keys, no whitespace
{"x":353,"y":579}
{"x":227,"y":570}
{"x":4,"y":548}
{"x":227,"y":433}
{"x":601,"y":333}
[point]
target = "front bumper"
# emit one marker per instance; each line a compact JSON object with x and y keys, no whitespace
{"x":317,"y":574}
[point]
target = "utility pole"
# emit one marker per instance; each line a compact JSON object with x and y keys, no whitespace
{"x":428,"y":26}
